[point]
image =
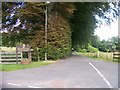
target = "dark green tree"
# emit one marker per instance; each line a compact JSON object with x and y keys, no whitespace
{"x":84,"y":21}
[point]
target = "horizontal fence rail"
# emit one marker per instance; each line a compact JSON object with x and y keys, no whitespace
{"x":116,"y":55}
{"x":9,"y":56}
{"x":103,"y":55}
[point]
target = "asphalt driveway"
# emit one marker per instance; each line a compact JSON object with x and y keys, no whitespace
{"x":73,"y":72}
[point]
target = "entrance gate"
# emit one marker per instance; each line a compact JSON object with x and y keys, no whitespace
{"x":23,"y":48}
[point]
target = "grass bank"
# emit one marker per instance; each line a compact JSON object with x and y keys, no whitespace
{"x":108,"y":57}
{"x":107,"y":60}
{"x":12,"y":67}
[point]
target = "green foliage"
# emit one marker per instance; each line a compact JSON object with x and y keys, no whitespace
{"x":82,"y":50}
{"x":31,"y":18}
{"x":84,"y":21}
{"x":58,"y":34}
{"x":88,"y":48}
{"x":106,"y":46}
{"x":116,"y":42}
{"x":81,"y":24}
{"x":95,"y":41}
{"x":92,"y":49}
{"x":59,"y":37}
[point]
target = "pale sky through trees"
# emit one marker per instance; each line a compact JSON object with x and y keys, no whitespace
{"x":105,"y":31}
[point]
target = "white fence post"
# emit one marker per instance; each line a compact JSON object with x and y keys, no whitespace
{"x":98,"y":54}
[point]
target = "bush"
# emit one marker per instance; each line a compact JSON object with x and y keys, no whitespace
{"x":82,"y":50}
{"x":92,"y":49}
{"x":55,"y":53}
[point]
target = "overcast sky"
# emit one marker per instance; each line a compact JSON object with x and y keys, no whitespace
{"x":106,"y":32}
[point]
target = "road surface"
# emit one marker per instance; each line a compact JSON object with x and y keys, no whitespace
{"x":73,"y":72}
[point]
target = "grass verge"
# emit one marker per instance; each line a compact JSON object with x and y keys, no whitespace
{"x":106,"y":60}
{"x":12,"y":67}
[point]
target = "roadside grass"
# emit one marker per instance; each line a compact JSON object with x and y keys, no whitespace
{"x":106,"y":60}
{"x":12,"y":67}
{"x":107,"y":57}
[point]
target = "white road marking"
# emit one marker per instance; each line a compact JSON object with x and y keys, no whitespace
{"x":13,"y":84}
{"x":20,"y":85}
{"x":34,"y":87}
{"x":107,"y":82}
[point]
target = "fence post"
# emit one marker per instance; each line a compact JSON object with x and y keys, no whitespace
{"x":106,"y":55}
{"x":21,"y":55}
{"x":38,"y":54}
{"x":0,"y":58}
{"x":98,"y":54}
{"x":88,"y":54}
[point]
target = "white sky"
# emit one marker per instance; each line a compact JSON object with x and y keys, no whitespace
{"x":105,"y":31}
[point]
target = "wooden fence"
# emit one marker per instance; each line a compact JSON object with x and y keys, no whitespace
{"x":103,"y":55}
{"x":9,"y":57}
{"x":116,"y":55}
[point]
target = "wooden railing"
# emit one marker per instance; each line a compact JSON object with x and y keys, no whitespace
{"x":116,"y":55}
{"x":102,"y":55}
{"x":9,"y":57}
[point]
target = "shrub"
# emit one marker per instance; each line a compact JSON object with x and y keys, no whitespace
{"x":82,"y":50}
{"x":92,"y":49}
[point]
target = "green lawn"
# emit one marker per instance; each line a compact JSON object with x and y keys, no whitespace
{"x":12,"y":67}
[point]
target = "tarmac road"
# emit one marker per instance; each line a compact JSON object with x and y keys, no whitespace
{"x":73,"y":72}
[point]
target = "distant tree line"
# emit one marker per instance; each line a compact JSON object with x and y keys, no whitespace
{"x":110,"y":45}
